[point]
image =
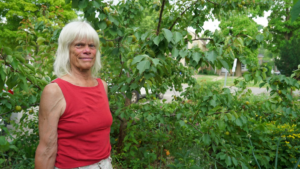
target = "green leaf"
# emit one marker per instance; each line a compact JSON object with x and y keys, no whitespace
{"x":75,"y":3}
{"x":228,"y":161}
{"x":168,"y":34}
{"x":196,"y":56}
{"x":247,"y":77}
{"x":182,"y":123}
{"x":243,"y":166}
{"x":138,"y":59}
{"x":96,"y":4}
{"x":144,"y":36}
{"x":143,"y":65}
{"x":296,"y":165}
{"x":295,"y":11}
{"x":175,"y":52}
{"x":2,"y":140}
{"x":102,"y":25}
{"x":206,"y":139}
{"x":13,"y":147}
{"x":224,"y":64}
{"x":211,"y":56}
{"x":155,"y":62}
{"x":259,"y":38}
{"x":82,"y":4}
{"x":6,"y":50}
{"x":156,"y":40}
{"x":238,"y":122}
{"x":195,"y":167}
{"x":177,"y":37}
{"x":235,"y":162}
{"x":67,"y":1}
{"x":114,"y":20}
{"x":183,"y":53}
{"x":40,"y":40}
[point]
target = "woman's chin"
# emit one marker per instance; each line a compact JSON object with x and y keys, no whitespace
{"x":84,"y":68}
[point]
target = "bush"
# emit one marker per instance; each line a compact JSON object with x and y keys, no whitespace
{"x":289,"y":57}
{"x":208,"y":126}
{"x":206,"y":72}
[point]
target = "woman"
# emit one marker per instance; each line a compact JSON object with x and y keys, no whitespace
{"x":74,"y":115}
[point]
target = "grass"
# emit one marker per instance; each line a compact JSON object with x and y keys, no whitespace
{"x":221,"y":79}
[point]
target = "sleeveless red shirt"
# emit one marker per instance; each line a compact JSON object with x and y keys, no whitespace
{"x":84,"y":128}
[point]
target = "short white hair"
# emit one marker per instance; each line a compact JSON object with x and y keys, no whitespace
{"x":75,"y":30}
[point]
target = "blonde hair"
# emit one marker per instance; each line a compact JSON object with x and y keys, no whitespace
{"x":75,"y":30}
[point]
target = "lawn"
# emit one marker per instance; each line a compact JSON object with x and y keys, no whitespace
{"x":221,"y":79}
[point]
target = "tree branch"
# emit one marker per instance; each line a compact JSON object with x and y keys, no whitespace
{"x":181,"y":15}
{"x":23,"y":107}
{"x":25,"y":77}
{"x":195,"y":127}
{"x":212,"y":2}
{"x":160,"y":16}
{"x":117,"y":39}
{"x":117,"y":116}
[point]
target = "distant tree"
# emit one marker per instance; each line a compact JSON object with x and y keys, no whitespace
{"x":289,"y":57}
{"x":280,"y":25}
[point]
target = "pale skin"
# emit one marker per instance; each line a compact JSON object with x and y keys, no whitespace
{"x":53,"y":104}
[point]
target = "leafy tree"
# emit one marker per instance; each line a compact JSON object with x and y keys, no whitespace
{"x":289,"y":57}
{"x":143,"y":61}
{"x":295,"y":10}
{"x":280,"y":25}
{"x":26,"y":59}
{"x":12,"y":12}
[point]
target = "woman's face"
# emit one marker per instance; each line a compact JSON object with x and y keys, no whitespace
{"x":82,"y":55}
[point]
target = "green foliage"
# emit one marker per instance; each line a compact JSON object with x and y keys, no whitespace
{"x":12,"y":12}
{"x":26,"y":69}
{"x":289,"y":57}
{"x":280,"y":26}
{"x":295,"y":11}
{"x":206,"y":72}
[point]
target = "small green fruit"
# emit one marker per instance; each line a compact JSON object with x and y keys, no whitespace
{"x":106,"y":9}
{"x":110,"y":44}
{"x":18,"y":108}
{"x":108,"y":23}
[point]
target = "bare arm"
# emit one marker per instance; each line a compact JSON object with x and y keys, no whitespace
{"x":105,"y":86}
{"x":52,"y":106}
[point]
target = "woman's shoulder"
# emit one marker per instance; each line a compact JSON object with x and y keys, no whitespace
{"x":103,"y":82}
{"x":52,"y":89}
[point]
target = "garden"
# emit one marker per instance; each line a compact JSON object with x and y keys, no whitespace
{"x":142,"y":43}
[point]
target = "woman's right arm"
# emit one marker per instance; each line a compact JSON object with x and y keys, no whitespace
{"x":52,"y":106}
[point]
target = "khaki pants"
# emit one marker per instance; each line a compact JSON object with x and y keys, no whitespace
{"x":103,"y":164}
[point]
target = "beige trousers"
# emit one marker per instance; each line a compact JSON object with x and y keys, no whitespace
{"x":103,"y":164}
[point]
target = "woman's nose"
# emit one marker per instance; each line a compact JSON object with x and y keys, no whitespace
{"x":87,"y":49}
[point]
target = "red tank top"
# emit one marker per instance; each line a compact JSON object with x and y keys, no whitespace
{"x":84,"y":128}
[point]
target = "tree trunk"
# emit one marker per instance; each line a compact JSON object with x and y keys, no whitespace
{"x":238,"y":68}
{"x":122,"y":130}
